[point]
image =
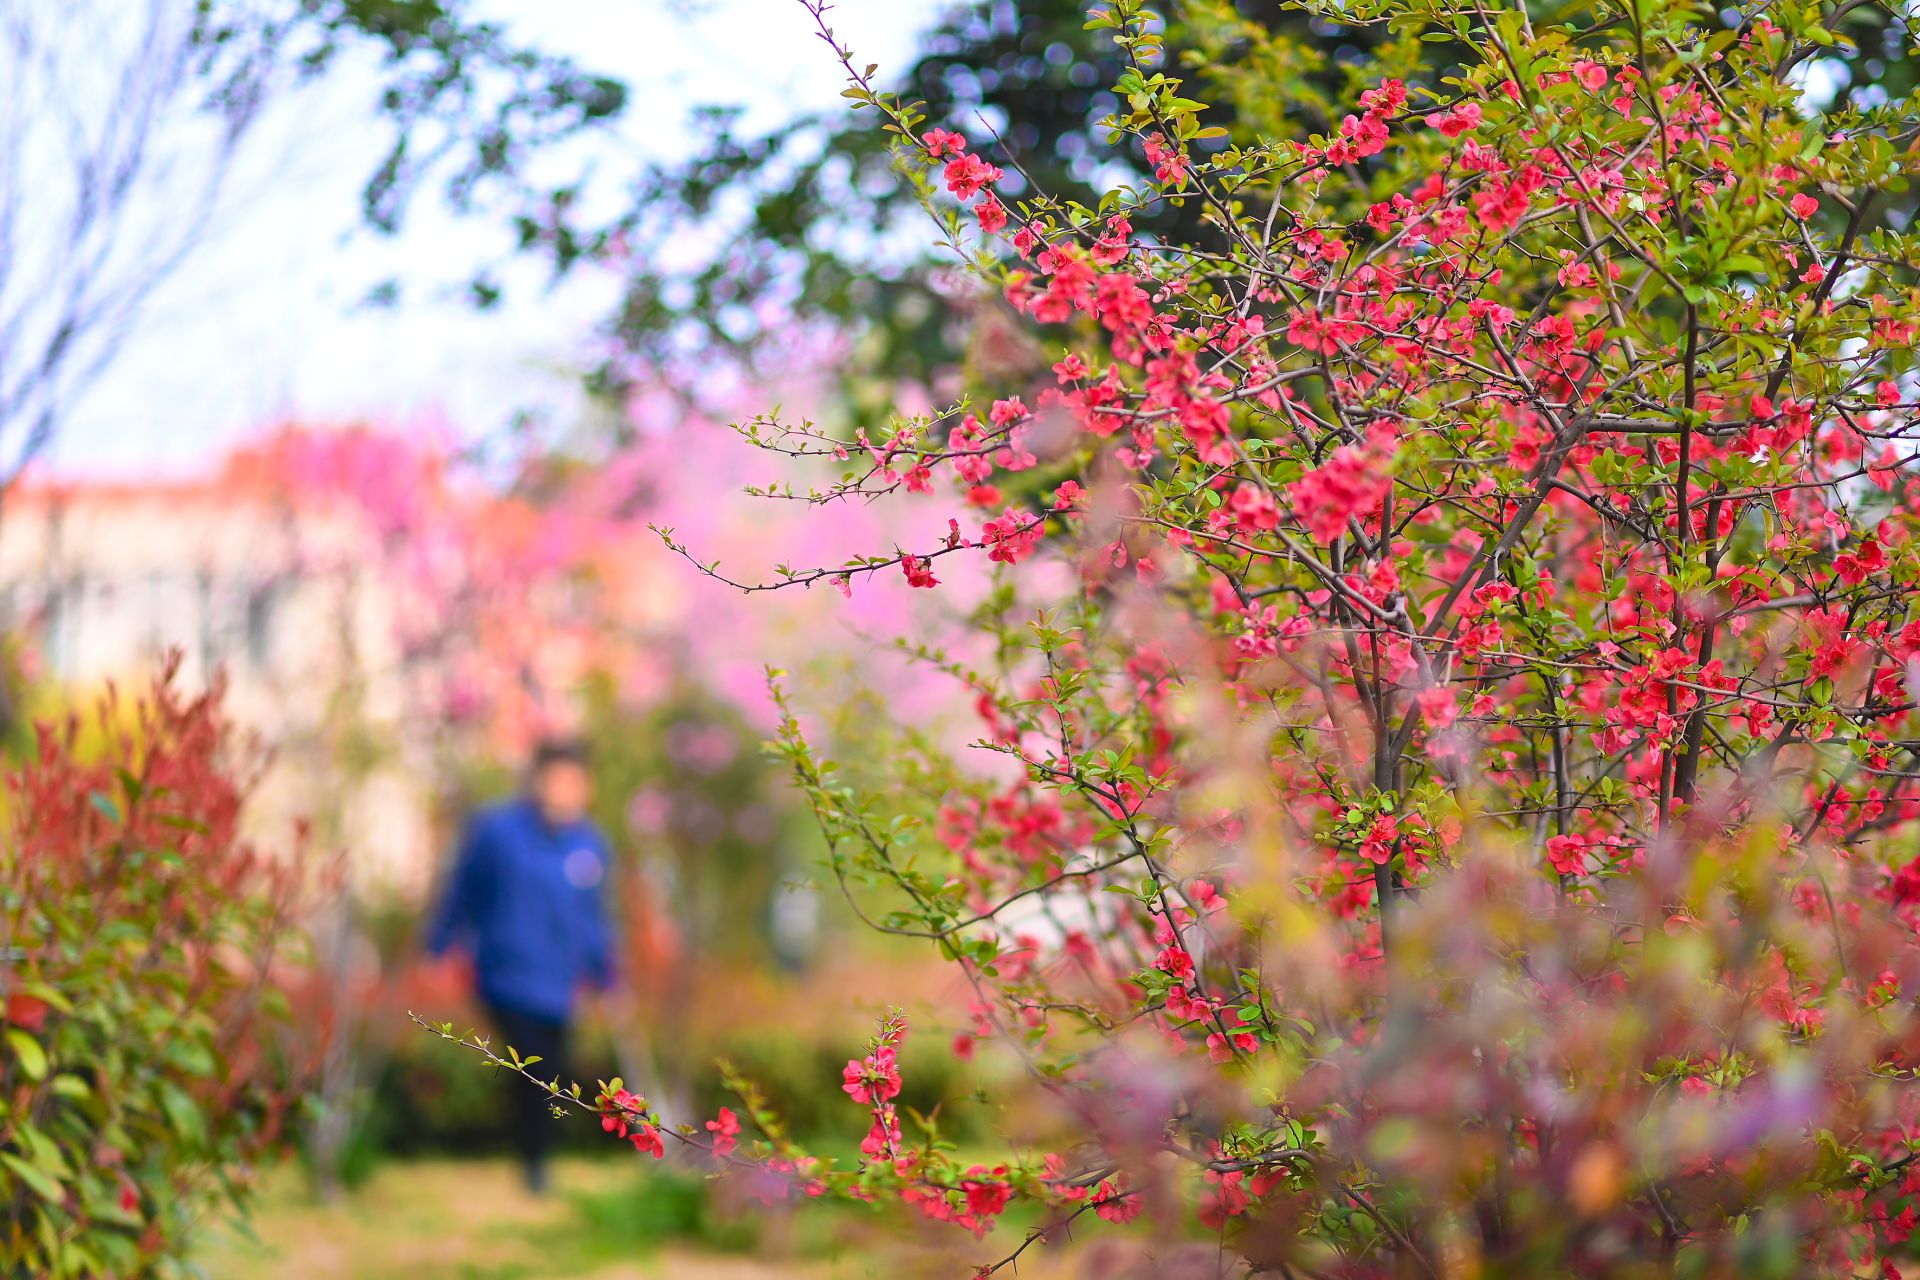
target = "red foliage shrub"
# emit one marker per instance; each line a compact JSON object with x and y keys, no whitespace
{"x":144,"y":1063}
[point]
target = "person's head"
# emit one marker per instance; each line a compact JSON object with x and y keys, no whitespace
{"x":559,"y":782}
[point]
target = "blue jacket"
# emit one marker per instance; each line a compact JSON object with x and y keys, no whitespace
{"x":524,"y":901}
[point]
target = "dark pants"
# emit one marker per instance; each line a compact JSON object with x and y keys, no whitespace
{"x":530,"y":1117}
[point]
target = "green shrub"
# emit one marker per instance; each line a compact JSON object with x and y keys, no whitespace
{"x":142,"y":1065}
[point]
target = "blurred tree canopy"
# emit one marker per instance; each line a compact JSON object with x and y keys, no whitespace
{"x":469,"y":107}
{"x":745,"y":250}
{"x":741,"y":250}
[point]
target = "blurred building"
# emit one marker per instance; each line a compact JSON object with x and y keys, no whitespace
{"x":100,"y":580}
{"x":400,"y":625}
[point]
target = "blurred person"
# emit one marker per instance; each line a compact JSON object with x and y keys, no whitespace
{"x":525,"y":903}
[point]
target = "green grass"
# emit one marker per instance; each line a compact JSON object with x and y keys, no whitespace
{"x":469,"y":1220}
{"x":618,"y":1218}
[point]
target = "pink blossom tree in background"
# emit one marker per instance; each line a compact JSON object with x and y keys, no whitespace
{"x":507,"y":589}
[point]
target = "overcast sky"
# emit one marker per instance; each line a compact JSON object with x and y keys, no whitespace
{"x":261,"y":324}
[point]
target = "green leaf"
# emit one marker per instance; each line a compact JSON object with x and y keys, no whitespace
{"x":193,"y":1057}
{"x":42,"y":1184}
{"x":182,"y":1113}
{"x":46,"y":1155}
{"x":67,"y":1085}
{"x":28,"y":1051}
